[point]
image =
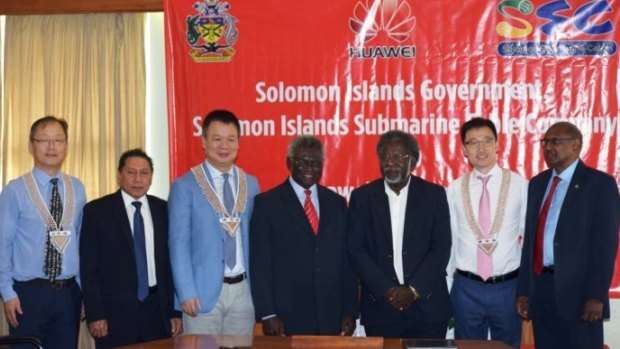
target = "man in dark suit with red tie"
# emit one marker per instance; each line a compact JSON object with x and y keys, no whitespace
{"x":571,"y":237}
{"x":302,"y":282}
{"x":124,"y":261}
{"x":399,"y":241}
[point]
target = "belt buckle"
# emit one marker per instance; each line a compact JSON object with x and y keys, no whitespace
{"x":57,"y":285}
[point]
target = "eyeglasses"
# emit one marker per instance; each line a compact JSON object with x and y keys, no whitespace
{"x":474,"y":143}
{"x":555,"y":140}
{"x":400,"y":158}
{"x":43,"y":141}
{"x":308,"y":163}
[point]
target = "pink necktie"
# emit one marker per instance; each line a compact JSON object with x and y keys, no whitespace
{"x":485,"y":262}
{"x":313,"y":218}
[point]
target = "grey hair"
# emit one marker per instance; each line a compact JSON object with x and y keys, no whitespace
{"x":305,"y":142}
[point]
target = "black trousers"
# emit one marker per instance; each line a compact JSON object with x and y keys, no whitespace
{"x":551,"y":331}
{"x":50,"y":314}
{"x":148,"y":325}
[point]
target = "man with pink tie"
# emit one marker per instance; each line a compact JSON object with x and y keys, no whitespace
{"x":487,"y":212}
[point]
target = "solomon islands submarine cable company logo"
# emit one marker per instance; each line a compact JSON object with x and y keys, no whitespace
{"x":212,"y":32}
{"x":370,"y":18}
{"x":567,"y":30}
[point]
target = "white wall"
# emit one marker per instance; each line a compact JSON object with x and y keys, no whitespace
{"x":156,"y":106}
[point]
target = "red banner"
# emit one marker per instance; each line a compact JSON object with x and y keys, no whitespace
{"x":349,"y":70}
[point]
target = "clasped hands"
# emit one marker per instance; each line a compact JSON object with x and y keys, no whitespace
{"x":400,"y":297}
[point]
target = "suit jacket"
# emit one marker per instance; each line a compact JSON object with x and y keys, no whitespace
{"x":108,"y":266}
{"x":585,"y":242}
{"x":305,"y":279}
{"x":426,"y":251}
{"x":197,"y":241}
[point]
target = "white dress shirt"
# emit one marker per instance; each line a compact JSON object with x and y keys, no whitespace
{"x":507,"y":254}
{"x":218,"y":182}
{"x":149,"y":238}
{"x":398,"y":206}
{"x":301,"y":195}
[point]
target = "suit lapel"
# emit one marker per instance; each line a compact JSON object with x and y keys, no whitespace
{"x":413,"y":210}
{"x":381,"y":211}
{"x":121,"y":216}
{"x":326,"y":213}
{"x":158,"y":225}
{"x":575,"y":186}
{"x":294,"y":208}
{"x":540,"y":191}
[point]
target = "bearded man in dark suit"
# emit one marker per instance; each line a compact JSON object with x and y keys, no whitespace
{"x":399,"y":240}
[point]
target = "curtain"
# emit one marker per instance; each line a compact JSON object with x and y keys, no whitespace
{"x":88,"y":69}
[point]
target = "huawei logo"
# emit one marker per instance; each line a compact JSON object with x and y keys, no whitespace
{"x":392,"y":16}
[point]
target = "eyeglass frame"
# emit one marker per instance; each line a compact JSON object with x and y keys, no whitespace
{"x":56,"y":141}
{"x":396,"y":157}
{"x":485,"y":142}
{"x":555,"y":141}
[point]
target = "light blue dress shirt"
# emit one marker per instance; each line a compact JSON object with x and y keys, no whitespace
{"x":23,"y":234}
{"x":554,"y":209}
{"x":301,"y":195}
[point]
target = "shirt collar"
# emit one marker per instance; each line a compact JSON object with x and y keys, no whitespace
{"x":42,"y":177}
{"x":128,"y":199}
{"x":567,"y":174}
{"x":299,"y":190}
{"x":495,"y":170}
{"x":215,"y":173}
{"x":389,"y":190}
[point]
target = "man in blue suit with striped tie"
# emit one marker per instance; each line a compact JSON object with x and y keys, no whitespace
{"x":209,"y":211}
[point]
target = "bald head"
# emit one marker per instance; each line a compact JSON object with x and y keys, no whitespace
{"x":562,"y":145}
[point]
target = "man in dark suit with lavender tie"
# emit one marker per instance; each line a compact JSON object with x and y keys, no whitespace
{"x":302,"y":282}
{"x":570,"y":244}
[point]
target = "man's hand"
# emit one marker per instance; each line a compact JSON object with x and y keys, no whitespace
{"x":592,"y":310}
{"x":273,"y":327}
{"x":98,"y":328}
{"x":176,"y":326}
{"x":400,"y":297}
{"x":523,"y":307}
{"x":191,"y":306}
{"x":347,"y":325}
{"x":11,"y":309}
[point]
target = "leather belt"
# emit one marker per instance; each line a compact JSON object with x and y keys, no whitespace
{"x":491,"y":280}
{"x":234,"y":279}
{"x":549,"y":270}
{"x":57,"y":284}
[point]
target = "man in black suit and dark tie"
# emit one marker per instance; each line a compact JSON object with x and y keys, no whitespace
{"x":302,"y":282}
{"x":570,"y":244}
{"x":124,"y":262}
{"x":399,"y":240}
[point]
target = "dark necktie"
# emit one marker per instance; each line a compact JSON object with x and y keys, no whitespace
{"x":540,"y":228}
{"x":229,"y":204}
{"x":313,"y":218}
{"x":53,"y":258}
{"x":139,"y":245}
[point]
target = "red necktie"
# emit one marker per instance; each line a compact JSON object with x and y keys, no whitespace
{"x":313,"y":218}
{"x":540,"y":228}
